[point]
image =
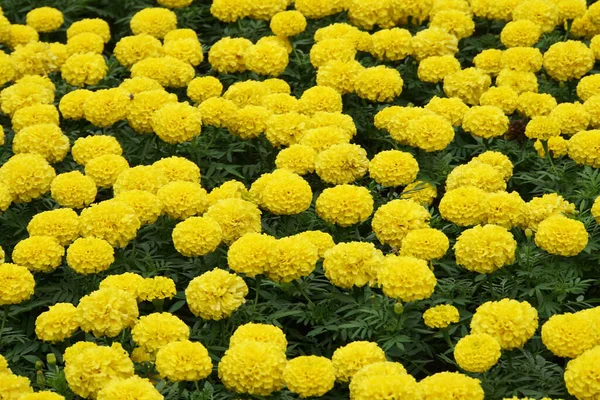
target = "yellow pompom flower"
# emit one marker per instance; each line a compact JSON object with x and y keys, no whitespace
{"x":175,"y":3}
{"x":128,"y":281}
{"x":71,"y":104}
{"x":6,"y":197}
{"x":441,"y":316}
{"x":506,"y":209}
{"x":266,"y":59}
{"x":477,"y":352}
{"x":595,"y":210}
{"x":291,"y":258}
{"x":94,"y":25}
{"x":526,"y":59}
{"x":286,"y":129}
{"x":468,"y":85}
{"x":88,"y":370}
{"x":393,"y":168}
{"x":581,"y":148}
{"x":86,"y":42}
{"x":434,"y":69}
{"x":485,"y":121}
{"x":131,"y":49}
{"x":406,"y":278}
{"x":202,"y":88}
{"x":144,"y":105}
{"x":497,"y":160}
{"x":581,"y":373}
{"x":391,"y":44}
{"x":247,"y":93}
{"x":569,"y":334}
{"x":21,"y":35}
{"x":14,"y":386}
{"x":236,"y":218}
{"x":197,"y":236}
{"x":107,"y":311}
{"x":588,"y":86}
{"x":230,"y":11}
{"x":379,"y":84}
{"x":46,"y":140}
{"x":343,"y":30}
{"x":34,"y":115}
{"x":253,"y":367}
{"x":62,"y":223}
{"x":504,"y":98}
{"x":139,"y":85}
{"x":153,"y":21}
{"x":133,"y":387}
{"x":393,"y":220}
{"x":425,"y":244}
{"x":39,"y":253}
{"x":297,"y":158}
{"x":182,"y":199}
{"x":58,"y":323}
{"x":376,"y":385}
{"x":157,"y":288}
{"x":147,"y":206}
{"x":42,"y":395}
{"x":227,"y":55}
{"x":90,"y":255}
{"x":510,"y":322}
{"x":320,"y":98}
{"x":572,"y":117}
{"x":7,"y":66}
{"x":168,"y":71}
{"x":153,"y":331}
{"x":352,"y":264}
{"x":344,"y":205}
{"x":557,"y":146}
{"x":105,"y":169}
{"x":27,"y":176}
{"x":568,"y":60}
{"x":44,"y":19}
{"x":228,"y":190}
{"x":288,"y":23}
{"x":464,"y":206}
{"x":187,"y":50}
{"x":451,"y":386}
{"x":477,"y":174}
{"x":351,"y":358}
{"x":73,"y":189}
{"x":106,"y":107}
{"x":178,"y":169}
{"x":84,"y":69}
{"x":341,"y":163}
{"x":249,"y":122}
{"x":542,"y":128}
{"x":251,"y":254}
{"x":339,"y":75}
{"x":183,"y":361}
{"x":177,"y":122}
{"x":112,"y":220}
{"x":521,"y":33}
{"x":434,"y":41}
{"x":420,"y":192}
{"x":216,"y":294}
{"x":324,"y":119}
{"x":286,"y":193}
{"x":26,"y":94}
{"x":485,"y":249}
{"x":309,"y":376}
{"x":454,"y":22}
{"x":561,"y":236}
{"x":519,"y":81}
{"x":323,"y":138}
{"x":367,"y":13}
{"x":263,"y":333}
{"x":280,"y":103}
{"x":16,"y":284}
{"x":543,"y":13}
{"x":141,"y":177}
{"x":540,"y":208}
{"x":321,"y":240}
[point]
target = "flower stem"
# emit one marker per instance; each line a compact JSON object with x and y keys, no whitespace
{"x":4,"y":318}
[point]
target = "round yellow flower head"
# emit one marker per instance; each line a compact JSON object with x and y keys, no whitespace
{"x":73,"y":189}
{"x":557,"y":146}
{"x":568,"y":60}
{"x":247,"y":93}
{"x":34,"y":115}
{"x":477,"y":352}
{"x":562,"y":236}
{"x":320,"y":98}
{"x":144,"y":105}
{"x":93,"y":25}
{"x":569,"y":334}
{"x":477,"y":174}
{"x":34,"y":59}
{"x":346,"y":31}
{"x":321,"y":240}
{"x":526,"y":59}
{"x":497,"y":160}
{"x":227,"y":55}
{"x":425,"y":244}
{"x":182,"y":199}
{"x":112,"y":220}
{"x":280,"y":103}
{"x":441,"y":316}
{"x":485,"y":121}
{"x":341,"y":163}
{"x":107,"y":311}
{"x":504,"y":98}
{"x":134,"y":387}
{"x":142,"y":177}
{"x":236,"y":218}
{"x":468,"y":85}
{"x":39,"y":253}
{"x":286,"y":193}
{"x":128,"y":281}
{"x":510,"y":322}
{"x":393,"y":220}
{"x":132,"y":49}
{"x":228,"y":190}
{"x":434,"y":41}
{"x":90,"y":369}
{"x":543,"y":13}
{"x":406,"y":278}
{"x":339,"y":75}
{"x":106,"y":107}
{"x":580,"y":374}
{"x":420,"y":192}
{"x":105,"y":169}
{"x":454,"y":22}
{"x":379,"y":84}
{"x":393,"y":168}
{"x":297,"y":158}
{"x":71,"y":104}
{"x":266,"y":59}
{"x":84,"y":69}
{"x":464,"y":206}
{"x":249,"y":122}
{"x":506,"y":209}
{"x":391,"y":44}
{"x":187,"y":50}
{"x":183,"y":361}
{"x":178,"y":169}
{"x":46,"y":140}
{"x":439,"y":5}
{"x":588,"y":86}
{"x":540,"y":208}
{"x":202,"y":88}
{"x":323,"y":138}
{"x":44,"y":19}
{"x":58,"y":323}
{"x":6,"y":197}
{"x":14,"y":386}
{"x":519,"y":81}
{"x":42,"y":395}
{"x":157,"y":288}
{"x":344,"y":205}
{"x":250,"y":254}
{"x":177,"y":122}
{"x":324,"y":119}
{"x":156,"y":330}
{"x":25,"y":94}
{"x":197,"y":236}
{"x":155,"y":22}
{"x":263,"y":333}
{"x":7,"y":68}
{"x":451,"y":386}
{"x":216,"y":294}
{"x":521,"y":33}
{"x":86,"y":42}
{"x":434,"y":69}
{"x":485,"y":249}
{"x":572,"y":117}
{"x":90,"y":255}
{"x":352,"y":264}
{"x":309,"y":376}
{"x":288,"y":23}
{"x":595,"y":210}
{"x":581,"y":148}
{"x":62,"y":224}
{"x":253,"y":367}
{"x":378,"y":385}
{"x":351,"y":358}
{"x":139,"y":85}
{"x":287,"y":129}
{"x":17,"y":284}
{"x":27,"y":176}
{"x":147,"y":206}
{"x":542,"y":128}
{"x":168,"y":71}
{"x":21,"y":35}
{"x":315,"y":9}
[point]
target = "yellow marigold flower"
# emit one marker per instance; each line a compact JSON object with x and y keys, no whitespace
{"x":33,"y":59}
{"x":352,"y":264}
{"x":286,"y":193}
{"x":216,"y":294}
{"x":106,"y":312}
{"x":376,"y":385}
{"x":141,"y":177}
{"x":420,"y":192}
{"x":477,"y":174}
{"x":182,"y":199}
{"x":84,"y":69}
{"x":434,"y":41}
{"x":106,"y":107}
{"x":280,"y":103}
{"x":557,"y":146}
{"x":454,"y":22}
{"x":175,"y":3}
{"x":44,"y":19}
{"x":112,"y":220}
{"x":6,"y":197}
{"x":568,"y":60}
{"x":439,"y":5}
{"x":324,"y":119}
{"x":477,"y":352}
{"x":71,"y":104}
{"x":90,"y":147}
{"x":521,"y":33}
{"x":63,"y":224}
{"x":94,"y":25}
{"x":263,"y":333}
{"x":135,"y":387}
{"x":187,"y":50}
{"x":153,"y":21}
{"x":202,"y":88}
{"x":24,"y":94}
{"x":519,"y":81}
{"x":197,"y":236}
{"x":560,"y":235}
{"x":464,"y":206}
{"x":429,"y":132}
{"x":145,"y":105}
{"x":339,"y":75}
{"x":395,"y":118}
{"x":581,"y":148}
{"x":380,"y":84}
{"x":595,"y":210}
{"x":485,"y":121}
{"x":176,"y":122}
{"x":46,"y":140}
{"x":128,"y":281}
{"x":543,"y":13}
{"x":309,"y":376}
{"x":321,"y":139}
{"x":249,"y":122}
{"x":497,"y":160}
{"x":451,"y":385}
{"x":595,"y":46}
{"x":227,"y":55}
{"x":485,"y":249}
{"x":20,"y":35}
{"x":228,"y":190}
{"x":394,"y":220}
{"x":425,"y":244}
{"x":147,"y":206}
{"x":315,"y":9}
{"x":17,"y":284}
{"x":229,"y":10}
{"x":86,"y":42}
{"x":105,"y":169}
{"x":392,"y":44}
{"x":468,"y":85}
{"x":441,"y":316}
{"x":13,"y":386}
{"x":510,"y":322}
{"x":540,"y":208}
{"x":288,"y":23}
{"x":131,"y":49}
{"x":569,"y":335}
{"x":4,"y":366}
{"x":506,"y":209}
{"x":297,"y":158}
{"x":320,"y":98}
{"x":156,"y":330}
{"x":580,"y":374}
{"x":286,"y":129}
{"x":58,"y":323}
{"x":251,"y":254}
{"x":167,"y":71}
{"x":183,"y":361}
{"x":90,"y":255}
{"x":34,"y":115}
{"x":344,"y":205}
{"x":526,"y":59}
{"x":73,"y":189}
{"x":321,"y":240}
{"x":341,"y":163}
{"x":291,"y":258}
{"x":266,"y":59}
{"x":434,"y":69}
{"x":236,"y":218}
{"x":92,"y":368}
{"x":351,"y":358}
{"x":247,"y":93}
{"x":571,"y":9}
{"x":7,"y":68}
{"x":588,"y":86}
{"x":157,"y":288}
{"x":504,"y":98}
{"x":253,"y":367}
{"x":406,"y":278}
{"x":542,"y":128}
{"x":42,"y":395}
{"x":139,"y":85}
{"x":393,"y":168}
{"x":361,"y":39}
{"x":39,"y":253}
{"x":178,"y":169}
{"x":27,"y":176}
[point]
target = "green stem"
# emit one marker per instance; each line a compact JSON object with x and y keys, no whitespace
{"x":301,"y":290}
{"x":447,"y":338}
{"x":492,"y":292}
{"x":568,"y":30}
{"x":4,"y":318}
{"x":257,"y":281}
